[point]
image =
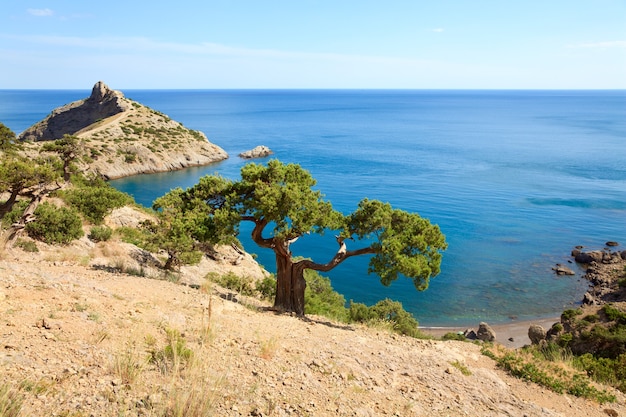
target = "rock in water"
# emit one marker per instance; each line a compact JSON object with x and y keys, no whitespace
{"x":258,"y":152}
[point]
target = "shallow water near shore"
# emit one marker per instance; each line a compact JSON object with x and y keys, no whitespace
{"x":514,"y":179}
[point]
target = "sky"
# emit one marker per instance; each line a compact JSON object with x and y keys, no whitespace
{"x":313,"y":44}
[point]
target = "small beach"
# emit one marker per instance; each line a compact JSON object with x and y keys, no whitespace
{"x":511,"y":335}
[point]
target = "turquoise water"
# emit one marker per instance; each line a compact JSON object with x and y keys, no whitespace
{"x":515,"y":179}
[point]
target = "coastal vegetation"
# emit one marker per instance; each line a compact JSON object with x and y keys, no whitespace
{"x":280,"y":199}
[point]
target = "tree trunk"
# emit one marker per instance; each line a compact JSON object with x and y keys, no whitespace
{"x":7,"y":206}
{"x":290,"y":285}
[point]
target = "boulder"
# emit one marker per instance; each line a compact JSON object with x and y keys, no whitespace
{"x":485,"y":333}
{"x":563,"y":270}
{"x":536,"y":334}
{"x":258,"y":152}
{"x":611,"y":243}
{"x":588,"y":257}
{"x":623,"y":254}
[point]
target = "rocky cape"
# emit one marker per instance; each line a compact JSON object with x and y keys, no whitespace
{"x":122,"y":137}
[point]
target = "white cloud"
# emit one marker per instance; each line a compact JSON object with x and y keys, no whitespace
{"x":606,"y":44}
{"x":40,"y":12}
{"x":438,"y":30}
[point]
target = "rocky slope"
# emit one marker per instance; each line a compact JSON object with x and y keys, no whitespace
{"x":122,"y":137}
{"x":80,"y":338}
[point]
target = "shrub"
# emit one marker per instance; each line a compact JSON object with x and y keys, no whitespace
{"x":359,"y":313}
{"x":100,"y":233}
{"x":55,"y":224}
{"x":403,"y":321}
{"x":267,"y":287}
{"x":15,"y":214}
{"x":96,"y":202}
{"x":571,"y":313}
{"x":243,"y":285}
{"x":320,"y":298}
{"x":27,"y":245}
{"x":454,"y":336}
{"x":388,"y":311}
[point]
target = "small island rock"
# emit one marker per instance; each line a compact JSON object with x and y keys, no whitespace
{"x":258,"y":152}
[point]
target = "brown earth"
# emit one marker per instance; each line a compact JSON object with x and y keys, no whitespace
{"x":75,"y":338}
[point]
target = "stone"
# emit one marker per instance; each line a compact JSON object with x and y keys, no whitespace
{"x":258,"y":152}
{"x":485,"y":333}
{"x":611,"y":243}
{"x":563,"y":270}
{"x":588,"y":257}
{"x":536,"y":334}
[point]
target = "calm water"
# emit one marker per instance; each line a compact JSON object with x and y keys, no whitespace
{"x":515,"y":179}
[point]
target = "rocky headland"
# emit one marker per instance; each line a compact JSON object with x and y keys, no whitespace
{"x":122,"y":137}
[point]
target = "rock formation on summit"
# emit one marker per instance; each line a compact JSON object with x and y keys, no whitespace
{"x":71,"y":118}
{"x":122,"y":137}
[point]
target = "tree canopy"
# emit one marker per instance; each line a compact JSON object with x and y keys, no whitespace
{"x":280,"y":201}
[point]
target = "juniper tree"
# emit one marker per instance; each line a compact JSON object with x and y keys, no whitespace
{"x":281,"y":203}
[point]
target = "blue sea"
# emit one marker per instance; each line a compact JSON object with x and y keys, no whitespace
{"x":515,"y":179}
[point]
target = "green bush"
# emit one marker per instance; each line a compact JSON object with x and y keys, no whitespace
{"x":388,"y":311}
{"x":571,"y":313}
{"x":26,"y":245}
{"x":96,"y":202}
{"x":267,"y":287}
{"x":55,"y":224}
{"x":320,"y":298}
{"x":243,"y":285}
{"x":359,"y":312}
{"x":15,"y":214}
{"x":100,"y":233}
{"x":403,"y":321}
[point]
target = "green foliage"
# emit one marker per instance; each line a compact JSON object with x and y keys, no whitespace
{"x":547,"y":374}
{"x":320,"y":298}
{"x":570,"y":314}
{"x":132,"y":235}
{"x":22,"y":176}
{"x":604,"y":370}
{"x":94,"y":203}
{"x":173,"y":355}
{"x":267,"y":287}
{"x":454,"y":336}
{"x":281,"y":201}
{"x":614,"y":314}
{"x":55,"y":224}
{"x":100,"y":233}
{"x":7,"y":139}
{"x":388,"y":311}
{"x":26,"y":245}
{"x":244,"y":285}
{"x":15,"y":214}
{"x":70,"y":149}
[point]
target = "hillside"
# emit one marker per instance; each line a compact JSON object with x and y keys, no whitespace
{"x":77,"y":334}
{"x":122,"y":137}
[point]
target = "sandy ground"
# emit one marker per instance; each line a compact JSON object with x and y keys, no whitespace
{"x":511,"y":335}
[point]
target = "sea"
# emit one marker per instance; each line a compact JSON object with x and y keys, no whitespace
{"x":515,"y":180}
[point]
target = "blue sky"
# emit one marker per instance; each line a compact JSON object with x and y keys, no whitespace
{"x":134,"y":44}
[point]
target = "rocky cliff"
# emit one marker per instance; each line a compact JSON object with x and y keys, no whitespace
{"x":122,"y":137}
